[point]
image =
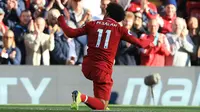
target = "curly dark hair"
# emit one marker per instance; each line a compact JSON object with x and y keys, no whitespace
{"x":115,"y":11}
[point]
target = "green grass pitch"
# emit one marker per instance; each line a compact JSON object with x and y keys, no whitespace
{"x":83,"y":108}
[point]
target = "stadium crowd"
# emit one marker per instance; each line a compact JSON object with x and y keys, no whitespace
{"x":30,"y":35}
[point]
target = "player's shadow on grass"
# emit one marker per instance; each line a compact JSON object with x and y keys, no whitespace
{"x":113,"y":98}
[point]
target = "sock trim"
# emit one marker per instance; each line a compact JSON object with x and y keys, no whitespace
{"x":86,"y":98}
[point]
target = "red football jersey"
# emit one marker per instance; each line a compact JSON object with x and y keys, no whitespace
{"x":103,"y":39}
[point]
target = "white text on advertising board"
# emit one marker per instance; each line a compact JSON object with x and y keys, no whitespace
{"x":34,"y":93}
{"x":185,"y":93}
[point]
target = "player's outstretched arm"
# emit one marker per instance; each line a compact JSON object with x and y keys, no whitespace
{"x":130,"y":38}
{"x":70,"y":32}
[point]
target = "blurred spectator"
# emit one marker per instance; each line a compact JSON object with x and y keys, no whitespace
{"x":2,"y":3}
{"x":181,"y":8}
{"x":38,"y":44}
{"x":166,"y":21}
{"x":65,"y":3}
{"x":13,"y":10}
{"x":38,"y":9}
{"x":27,"y":3}
{"x":194,"y":34}
{"x":159,"y":48}
{"x":193,"y":9}
{"x":161,"y":8}
{"x":103,"y":7}
{"x":52,"y":21}
{"x":94,"y":8}
{"x":142,"y":5}
{"x":128,"y":20}
{"x":180,"y":43}
{"x":138,"y":29}
{"x":10,"y":54}
{"x":20,"y":7}
{"x":78,"y":14}
{"x":20,"y":30}
{"x":124,"y":3}
{"x":123,"y":57}
{"x":67,"y":51}
{"x":137,"y":25}
{"x":148,"y":9}
{"x":78,"y":17}
{"x":62,"y":6}
{"x":3,"y":27}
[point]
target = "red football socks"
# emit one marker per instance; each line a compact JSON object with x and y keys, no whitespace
{"x":93,"y":103}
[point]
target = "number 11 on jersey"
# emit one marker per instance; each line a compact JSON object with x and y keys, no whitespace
{"x":100,"y":33}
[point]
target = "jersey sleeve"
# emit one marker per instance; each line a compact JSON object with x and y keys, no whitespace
{"x":127,"y":36}
{"x":70,"y":32}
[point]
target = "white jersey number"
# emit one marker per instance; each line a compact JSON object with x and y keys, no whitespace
{"x":100,"y":33}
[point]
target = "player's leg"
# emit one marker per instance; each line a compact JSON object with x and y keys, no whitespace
{"x":93,"y":103}
{"x":103,"y":91}
{"x":106,"y":105}
{"x":102,"y":85}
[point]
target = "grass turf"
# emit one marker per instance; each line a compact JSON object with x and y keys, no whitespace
{"x":82,"y":108}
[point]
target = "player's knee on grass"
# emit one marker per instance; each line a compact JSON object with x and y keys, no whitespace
{"x":105,"y":103}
